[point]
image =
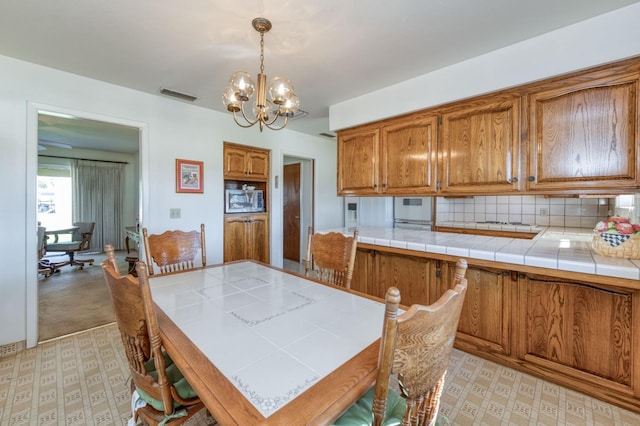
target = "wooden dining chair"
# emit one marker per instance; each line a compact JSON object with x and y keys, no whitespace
{"x":331,"y":257}
{"x":169,"y":397}
{"x":417,"y":347}
{"x":174,"y":251}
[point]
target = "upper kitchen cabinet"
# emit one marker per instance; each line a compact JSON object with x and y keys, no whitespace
{"x":480,"y":147}
{"x":584,"y":133}
{"x":245,"y":163}
{"x":408,"y":158}
{"x":358,"y":161}
{"x":394,"y":157}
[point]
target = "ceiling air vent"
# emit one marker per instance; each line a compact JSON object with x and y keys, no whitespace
{"x":183,"y":96}
{"x":299,"y":114}
{"x":327,"y":135}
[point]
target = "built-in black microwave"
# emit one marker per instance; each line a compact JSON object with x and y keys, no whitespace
{"x":243,"y":201}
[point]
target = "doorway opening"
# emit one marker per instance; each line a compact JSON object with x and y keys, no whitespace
{"x":298,"y":194}
{"x":72,"y":299}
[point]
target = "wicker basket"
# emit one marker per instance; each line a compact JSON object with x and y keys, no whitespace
{"x":630,"y":249}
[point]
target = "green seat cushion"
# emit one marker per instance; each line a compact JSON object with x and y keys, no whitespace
{"x":174,"y":376}
{"x":360,"y":414}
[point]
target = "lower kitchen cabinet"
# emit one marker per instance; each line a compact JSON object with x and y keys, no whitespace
{"x":411,"y":275}
{"x":486,"y":313}
{"x":246,"y":236}
{"x":561,"y":327}
{"x":362,"y":271}
{"x":581,"y":329}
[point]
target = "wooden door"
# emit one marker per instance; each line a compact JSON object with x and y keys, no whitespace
{"x":358,"y":163}
{"x":584,"y":135}
{"x":481,"y":148}
{"x":291,"y":212}
{"x":408,"y":160}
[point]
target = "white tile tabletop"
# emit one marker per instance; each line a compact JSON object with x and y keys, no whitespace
{"x":272,"y":334}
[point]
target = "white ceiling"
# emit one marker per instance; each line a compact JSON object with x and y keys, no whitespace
{"x":332,"y":50}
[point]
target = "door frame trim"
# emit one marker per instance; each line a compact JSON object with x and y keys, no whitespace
{"x":31,"y":272}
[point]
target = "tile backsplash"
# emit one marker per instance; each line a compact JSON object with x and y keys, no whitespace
{"x":526,"y":209}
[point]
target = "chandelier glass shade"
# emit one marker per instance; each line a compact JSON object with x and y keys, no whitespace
{"x":273,"y":111}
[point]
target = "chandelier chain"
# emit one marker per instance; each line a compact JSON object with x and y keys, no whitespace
{"x":261,"y":52}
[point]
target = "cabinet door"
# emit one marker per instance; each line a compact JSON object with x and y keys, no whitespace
{"x":480,"y":148}
{"x":358,"y":162}
{"x":411,"y":275}
{"x":362,"y":272}
{"x":485,"y":318}
{"x":246,"y":237}
{"x":234,"y":162}
{"x":243,"y":162}
{"x":570,"y":326}
{"x":235,"y":239}
{"x":257,"y":247}
{"x":257,"y":164}
{"x":584,"y":135}
{"x":409,"y":156}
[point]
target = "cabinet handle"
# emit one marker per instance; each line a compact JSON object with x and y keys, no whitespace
{"x":375,"y":185}
{"x":532,"y":178}
{"x":512,"y":180}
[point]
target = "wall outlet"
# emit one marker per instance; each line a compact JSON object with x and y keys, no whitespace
{"x":174,"y":213}
{"x":544,"y":211}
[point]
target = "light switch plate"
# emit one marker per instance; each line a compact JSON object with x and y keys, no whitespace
{"x":174,"y":213}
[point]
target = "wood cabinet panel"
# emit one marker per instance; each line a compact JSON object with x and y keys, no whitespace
{"x":411,"y":275}
{"x":584,"y":133}
{"x":362,"y":271}
{"x":358,"y":164}
{"x":486,"y":313}
{"x":397,"y":157}
{"x":246,"y":237}
{"x":244,"y":162}
{"x":480,"y":148}
{"x":409,"y":156}
{"x":579,"y":326}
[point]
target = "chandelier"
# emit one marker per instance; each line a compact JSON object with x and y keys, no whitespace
{"x":282,"y":102}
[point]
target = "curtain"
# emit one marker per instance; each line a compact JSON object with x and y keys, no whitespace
{"x":97,"y":196}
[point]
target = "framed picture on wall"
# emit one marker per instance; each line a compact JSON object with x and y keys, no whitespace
{"x":189,"y":176}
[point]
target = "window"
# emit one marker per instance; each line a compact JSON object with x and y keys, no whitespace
{"x":53,"y":206}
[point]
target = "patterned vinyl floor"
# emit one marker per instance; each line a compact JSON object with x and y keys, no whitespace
{"x":82,"y":379}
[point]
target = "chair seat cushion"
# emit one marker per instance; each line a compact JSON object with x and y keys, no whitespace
{"x":361,"y":414}
{"x":174,"y":376}
{"x":66,"y":246}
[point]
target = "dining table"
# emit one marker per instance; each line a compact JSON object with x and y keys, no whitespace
{"x":264,"y":346}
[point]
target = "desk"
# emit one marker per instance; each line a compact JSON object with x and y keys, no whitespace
{"x":265,"y":347}
{"x":132,"y":233}
{"x":58,"y":232}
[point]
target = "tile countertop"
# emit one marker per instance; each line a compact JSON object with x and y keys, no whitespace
{"x":567,"y":249}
